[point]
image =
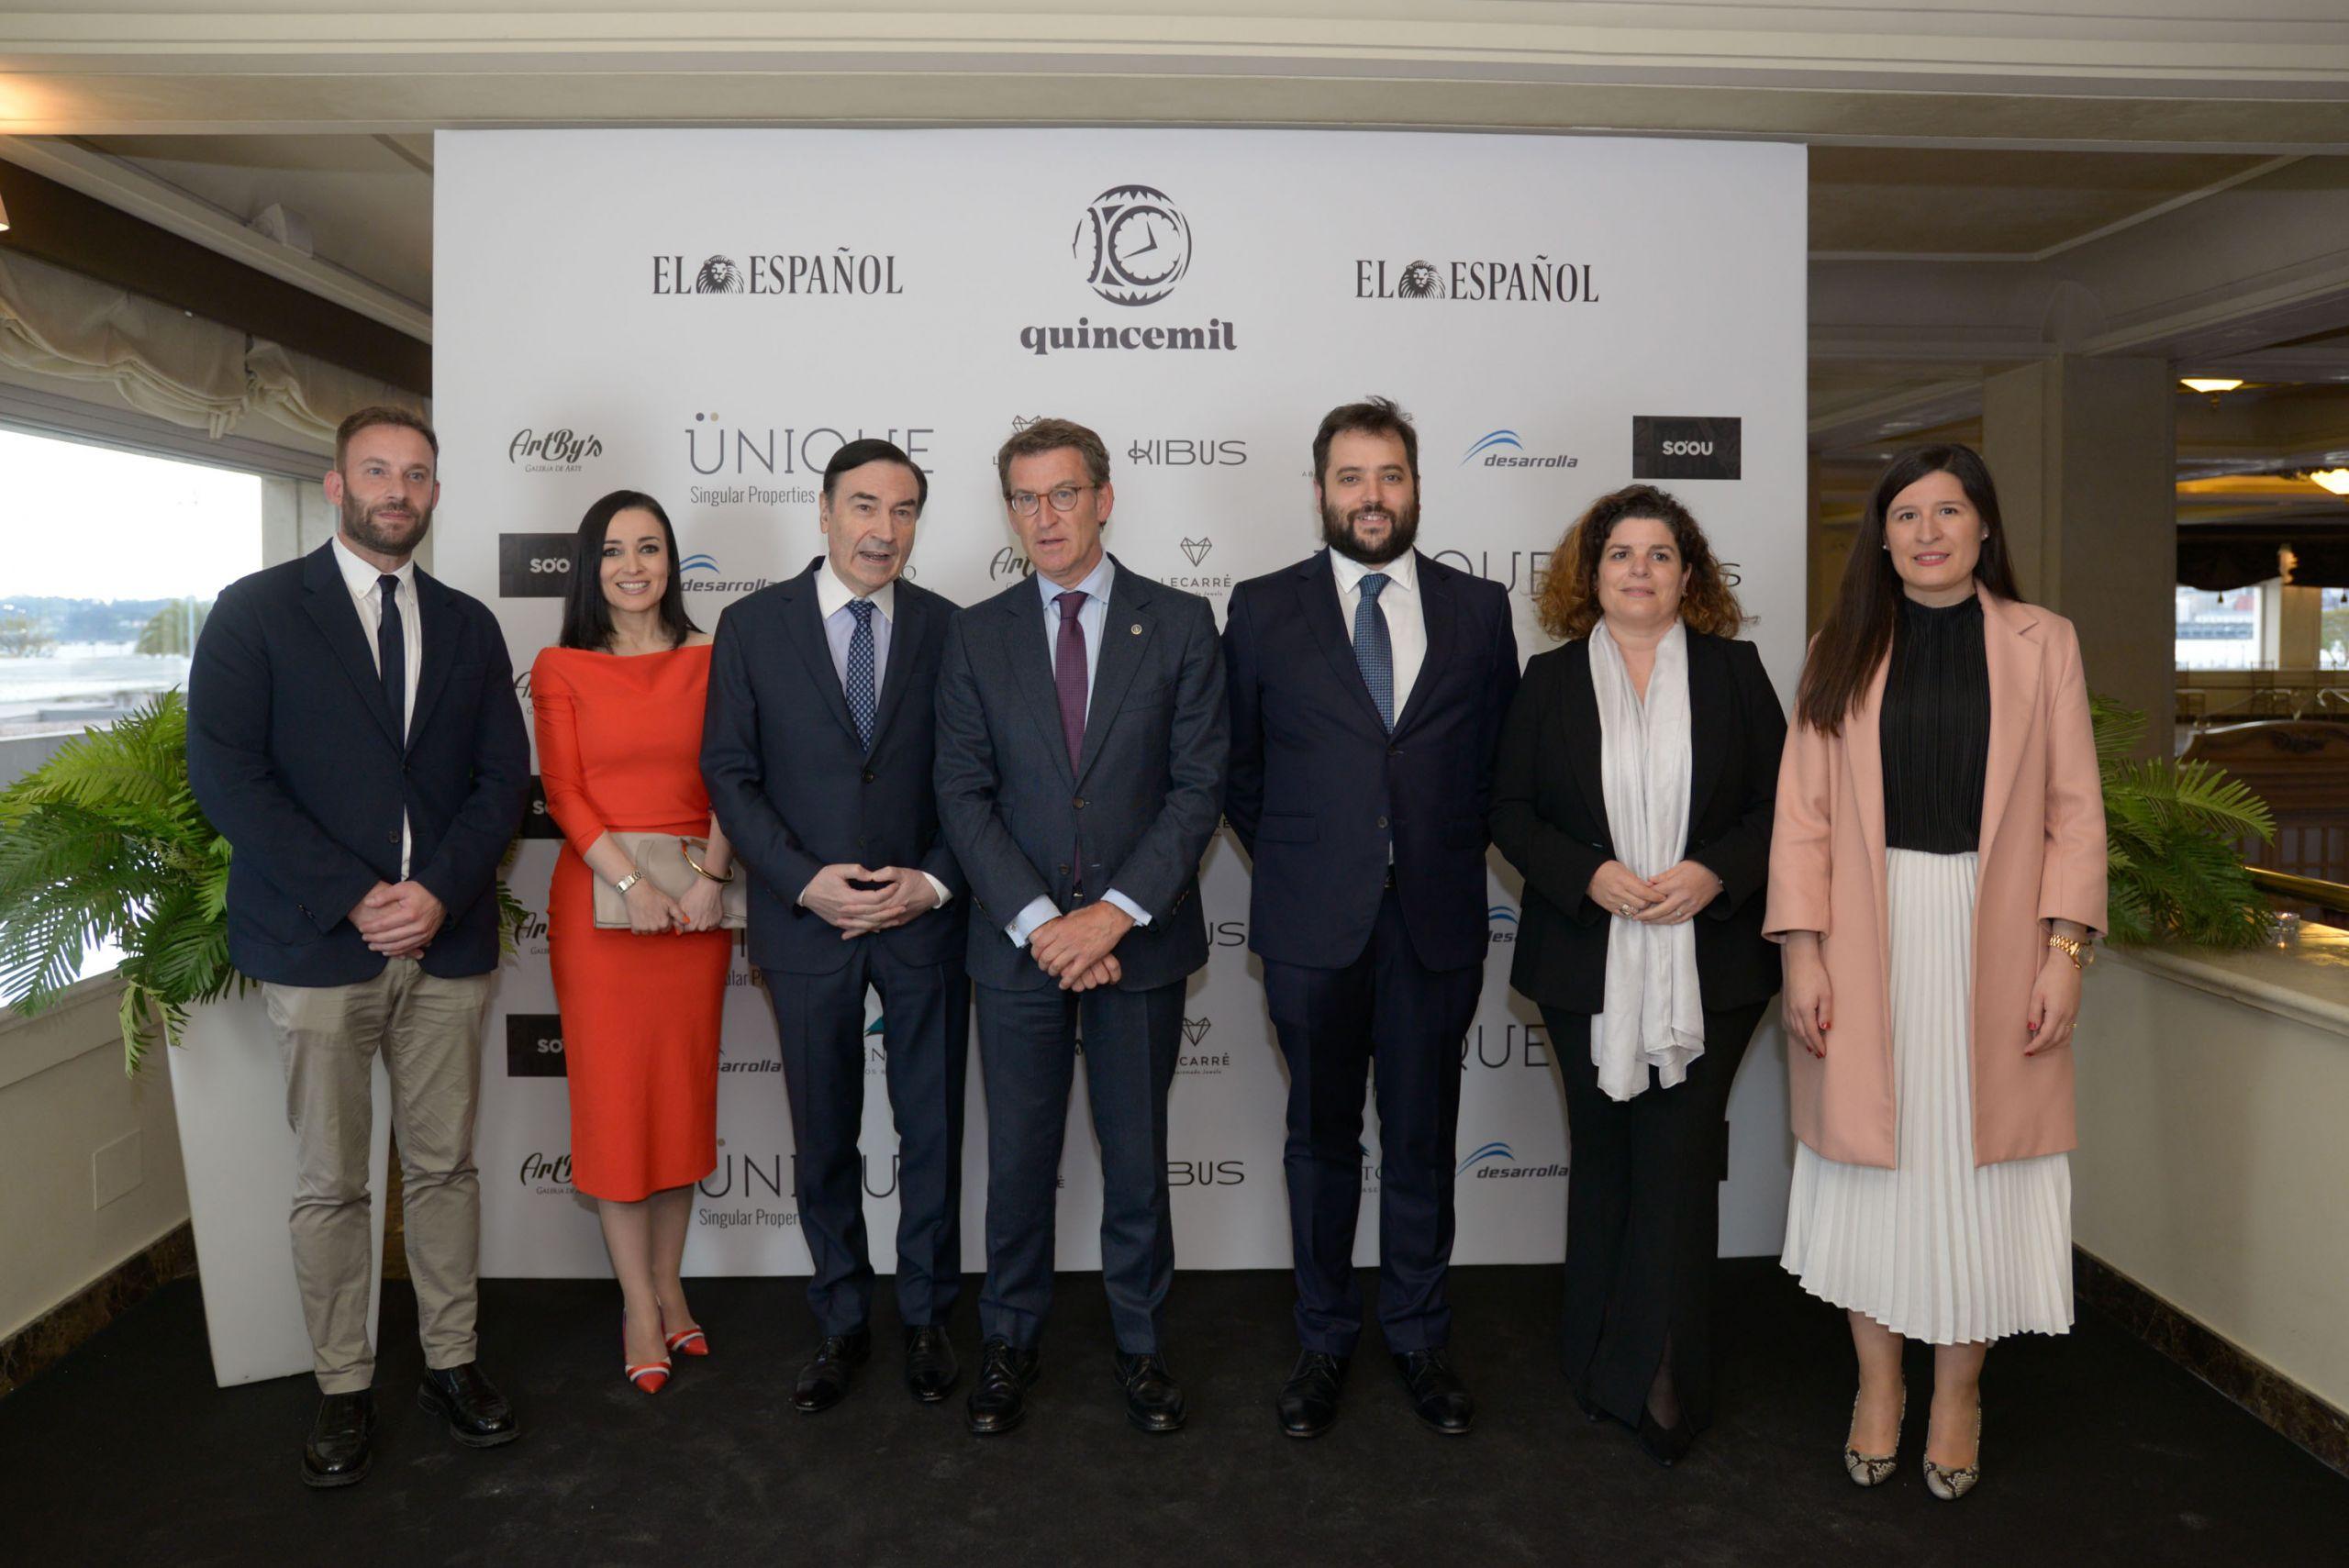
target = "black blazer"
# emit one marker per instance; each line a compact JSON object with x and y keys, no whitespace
{"x":1549,"y":820}
{"x":1141,"y":803}
{"x":796,"y":793}
{"x":292,"y":755}
{"x":1316,"y":780}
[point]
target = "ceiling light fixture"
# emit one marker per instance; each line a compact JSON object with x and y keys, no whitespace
{"x":2333,"y":479}
{"x":2212,"y":384}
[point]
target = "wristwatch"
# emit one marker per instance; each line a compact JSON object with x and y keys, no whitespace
{"x":2079,"y":952}
{"x":630,"y":880}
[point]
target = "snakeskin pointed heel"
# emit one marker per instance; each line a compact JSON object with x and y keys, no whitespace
{"x":1875,"y":1469}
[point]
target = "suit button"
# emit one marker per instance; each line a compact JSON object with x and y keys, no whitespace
{"x":1393,"y":750}
{"x":868,"y":775}
{"x":1382,"y":822}
{"x":1078,"y":803}
{"x":1064,"y":871}
{"x":393,"y":837}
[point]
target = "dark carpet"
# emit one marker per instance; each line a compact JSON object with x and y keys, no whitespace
{"x":2096,"y":1451}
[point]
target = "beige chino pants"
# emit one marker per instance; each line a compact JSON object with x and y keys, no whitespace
{"x":429,"y":1032}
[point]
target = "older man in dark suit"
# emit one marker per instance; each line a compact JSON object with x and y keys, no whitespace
{"x":816,"y":749}
{"x":1368,"y":684}
{"x":352,"y":732}
{"x":1081,"y":745}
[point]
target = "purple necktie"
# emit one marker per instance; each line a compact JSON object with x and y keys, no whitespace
{"x":1068,"y":676}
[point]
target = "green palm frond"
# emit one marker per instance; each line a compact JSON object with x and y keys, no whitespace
{"x":2172,"y":870}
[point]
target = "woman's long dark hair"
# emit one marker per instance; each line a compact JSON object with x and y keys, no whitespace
{"x":586,"y":618}
{"x":1858,"y":633}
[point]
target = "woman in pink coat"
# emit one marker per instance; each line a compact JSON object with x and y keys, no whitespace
{"x":1936,"y":870}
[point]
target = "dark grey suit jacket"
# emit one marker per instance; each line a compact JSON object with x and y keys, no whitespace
{"x":1138,"y":807}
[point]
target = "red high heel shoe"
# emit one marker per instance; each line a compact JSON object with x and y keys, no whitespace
{"x":649,"y":1376}
{"x":686,"y":1341}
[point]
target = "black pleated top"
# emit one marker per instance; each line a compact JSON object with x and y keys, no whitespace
{"x":1935,"y":728}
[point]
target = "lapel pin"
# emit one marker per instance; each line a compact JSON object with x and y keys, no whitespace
{"x":1135,"y":629}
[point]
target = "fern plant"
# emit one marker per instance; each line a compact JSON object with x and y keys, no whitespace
{"x":2170,"y":834}
{"x":104,"y":842}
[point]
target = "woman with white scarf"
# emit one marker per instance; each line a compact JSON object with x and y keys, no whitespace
{"x":1634,"y":791}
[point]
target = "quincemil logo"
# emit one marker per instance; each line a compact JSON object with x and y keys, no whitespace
{"x":554,"y":452}
{"x":1504,"y":449}
{"x":1500,"y":921}
{"x":1532,"y":280}
{"x":534,"y":566}
{"x":841,"y":270}
{"x":1195,"y":1058}
{"x":1495,"y":1159}
{"x":1132,"y":245}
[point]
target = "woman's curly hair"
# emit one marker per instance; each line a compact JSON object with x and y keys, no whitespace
{"x":1568,"y":606}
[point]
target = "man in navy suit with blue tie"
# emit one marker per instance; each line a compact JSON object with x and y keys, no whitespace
{"x":1367,"y":686}
{"x":816,"y":749}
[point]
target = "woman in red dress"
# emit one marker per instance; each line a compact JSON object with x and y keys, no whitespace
{"x":618,"y":704}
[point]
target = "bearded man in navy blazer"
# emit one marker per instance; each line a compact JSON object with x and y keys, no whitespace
{"x":816,"y":749}
{"x":1080,"y":773}
{"x":352,"y":732}
{"x":1367,"y":687}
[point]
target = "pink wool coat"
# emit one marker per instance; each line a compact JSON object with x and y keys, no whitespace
{"x":2043,"y":858}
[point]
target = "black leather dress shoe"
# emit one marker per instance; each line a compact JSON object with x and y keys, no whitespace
{"x":999,"y":1400}
{"x":930,"y":1367}
{"x":477,"y":1414}
{"x":1154,"y":1402}
{"x":1440,"y":1400}
{"x":342,"y":1440}
{"x":823,"y":1382}
{"x":1308,"y":1401}
{"x":1666,"y":1445}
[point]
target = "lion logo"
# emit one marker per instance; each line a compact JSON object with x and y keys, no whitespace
{"x":719,"y":275}
{"x":1420,"y":281}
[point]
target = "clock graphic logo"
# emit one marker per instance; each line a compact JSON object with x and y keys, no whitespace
{"x":1134,"y":244}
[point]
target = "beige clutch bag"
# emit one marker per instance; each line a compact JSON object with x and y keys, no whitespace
{"x":660,"y":860}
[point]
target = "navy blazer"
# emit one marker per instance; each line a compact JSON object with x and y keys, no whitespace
{"x":1318,"y":786}
{"x":292,"y":753}
{"x":795,"y":791}
{"x":1140,"y":805}
{"x":1549,"y":820}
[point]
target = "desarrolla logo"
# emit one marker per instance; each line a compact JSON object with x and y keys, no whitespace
{"x":842,"y":271}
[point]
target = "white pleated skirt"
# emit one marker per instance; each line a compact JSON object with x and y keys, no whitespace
{"x":1937,"y":1248}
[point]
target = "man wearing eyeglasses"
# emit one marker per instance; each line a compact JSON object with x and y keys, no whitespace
{"x":1081,"y":750}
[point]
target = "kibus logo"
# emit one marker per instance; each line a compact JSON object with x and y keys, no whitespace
{"x":1205,"y":1173}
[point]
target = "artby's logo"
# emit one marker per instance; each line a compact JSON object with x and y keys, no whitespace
{"x":554,"y":452}
{"x":841,"y":270}
{"x":1531,"y":280}
{"x":541,"y":1172}
{"x":534,"y":566}
{"x":1504,"y":449}
{"x":1496,"y":1159}
{"x":1133,"y":246}
{"x":1010,"y":562}
{"x":1679,"y":445}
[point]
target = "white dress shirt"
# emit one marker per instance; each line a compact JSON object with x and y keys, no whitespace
{"x":1092,"y":618}
{"x":833,"y":596}
{"x":367,"y":597}
{"x":1406,"y":621}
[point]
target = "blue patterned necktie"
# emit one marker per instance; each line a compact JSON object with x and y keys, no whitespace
{"x":391,"y":656}
{"x":1373,"y":651}
{"x":860,"y":671}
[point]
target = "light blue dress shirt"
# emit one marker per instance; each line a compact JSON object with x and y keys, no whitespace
{"x":1092,"y":616}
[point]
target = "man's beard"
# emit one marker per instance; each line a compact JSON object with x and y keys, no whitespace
{"x":1338,"y":533}
{"x":359,"y":522}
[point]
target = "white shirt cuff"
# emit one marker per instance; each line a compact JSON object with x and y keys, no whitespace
{"x":1128,"y":904}
{"x":943,"y":892}
{"x":1040,"y":909}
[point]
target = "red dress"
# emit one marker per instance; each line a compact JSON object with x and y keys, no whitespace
{"x":619,"y":751}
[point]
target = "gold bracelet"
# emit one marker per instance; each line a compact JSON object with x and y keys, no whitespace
{"x":698,"y":866}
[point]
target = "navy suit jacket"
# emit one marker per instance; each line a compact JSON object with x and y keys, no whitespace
{"x":795,"y":790}
{"x":1318,"y":784}
{"x":292,"y":753}
{"x":1140,"y":805}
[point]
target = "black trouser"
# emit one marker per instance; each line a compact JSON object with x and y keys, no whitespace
{"x":1643,"y":1219}
{"x":1386,"y":1007}
{"x":925,"y":1033}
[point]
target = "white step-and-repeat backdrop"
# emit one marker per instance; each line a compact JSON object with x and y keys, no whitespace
{"x":707,"y":315}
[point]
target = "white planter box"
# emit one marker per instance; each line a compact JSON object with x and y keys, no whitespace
{"x":229,"y":1089}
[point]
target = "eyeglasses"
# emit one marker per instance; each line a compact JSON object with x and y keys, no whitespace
{"x":1063,"y":497}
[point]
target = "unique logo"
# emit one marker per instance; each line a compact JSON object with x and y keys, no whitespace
{"x":538,"y":822}
{"x":556,"y":452}
{"x":1506,"y":1045}
{"x":1501,"y":922}
{"x":1504,"y":448}
{"x":1196,"y":548}
{"x":1670,"y":446}
{"x":1513,"y":569}
{"x":534,"y":566}
{"x":534,"y":1046}
{"x":1134,"y":244}
{"x":1188,"y":452}
{"x":1534,"y":280}
{"x":840,"y":270}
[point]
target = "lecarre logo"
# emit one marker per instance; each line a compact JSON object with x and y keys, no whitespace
{"x":1679,"y":445}
{"x":534,"y":566}
{"x":538,"y":822}
{"x":1133,"y":243}
{"x":534,"y":1045}
{"x":1196,"y":548}
{"x":1195,"y":1029}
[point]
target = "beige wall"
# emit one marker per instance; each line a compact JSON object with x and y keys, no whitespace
{"x":75,"y":1132}
{"x":2211,"y":1167}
